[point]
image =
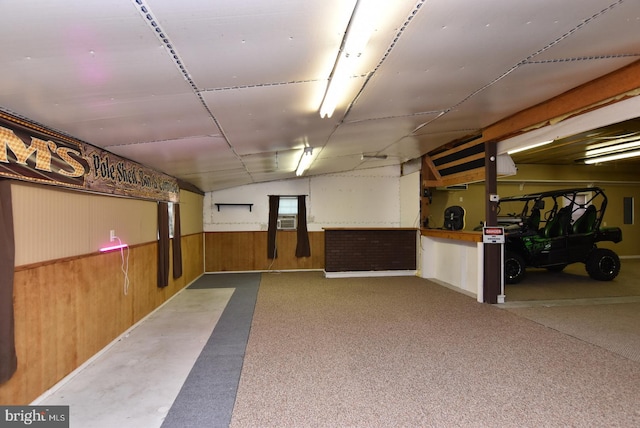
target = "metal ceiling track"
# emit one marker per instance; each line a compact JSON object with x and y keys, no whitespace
{"x":152,"y":21}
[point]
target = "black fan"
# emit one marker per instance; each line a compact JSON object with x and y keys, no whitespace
{"x":454,"y":218}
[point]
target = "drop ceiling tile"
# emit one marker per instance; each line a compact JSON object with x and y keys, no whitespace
{"x":83,"y":66}
{"x":216,"y":180}
{"x":444,"y":56}
{"x":370,"y":136}
{"x":271,"y":118}
{"x":182,"y":157}
{"x":334,"y":165}
{"x":549,"y":79}
{"x":142,"y":119}
{"x":283,"y":162}
{"x":414,"y":146}
{"x":229,"y":44}
{"x":610,"y":29}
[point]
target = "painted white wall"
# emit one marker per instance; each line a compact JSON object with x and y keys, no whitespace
{"x":458,"y":264}
{"x":410,"y":200}
{"x":365,"y":198}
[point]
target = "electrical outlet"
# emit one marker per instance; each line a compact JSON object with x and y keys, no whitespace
{"x":112,"y":235}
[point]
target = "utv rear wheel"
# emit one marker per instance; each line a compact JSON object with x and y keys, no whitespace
{"x":603,"y":264}
{"x":514,"y":268}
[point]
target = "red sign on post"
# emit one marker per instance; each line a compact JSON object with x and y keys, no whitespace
{"x":493,"y":235}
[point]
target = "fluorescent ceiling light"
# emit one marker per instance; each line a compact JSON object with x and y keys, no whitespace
{"x":532,"y":146}
{"x":305,"y":161}
{"x":379,"y":157}
{"x":613,"y":157}
{"x":361,"y":27}
{"x":614,"y":148}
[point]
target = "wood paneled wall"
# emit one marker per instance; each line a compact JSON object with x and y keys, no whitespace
{"x":247,"y":251}
{"x":68,"y":310}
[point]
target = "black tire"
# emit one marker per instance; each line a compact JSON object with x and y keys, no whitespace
{"x":603,"y":264}
{"x":556,"y":268}
{"x":514,"y":268}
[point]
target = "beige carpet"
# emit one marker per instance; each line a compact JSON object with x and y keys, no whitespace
{"x":404,"y":352}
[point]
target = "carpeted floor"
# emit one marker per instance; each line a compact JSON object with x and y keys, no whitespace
{"x":404,"y":352}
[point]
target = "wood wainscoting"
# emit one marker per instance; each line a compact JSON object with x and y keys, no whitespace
{"x":67,"y":310}
{"x":247,"y":251}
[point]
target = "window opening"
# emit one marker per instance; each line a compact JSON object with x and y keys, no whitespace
{"x":288,"y":213}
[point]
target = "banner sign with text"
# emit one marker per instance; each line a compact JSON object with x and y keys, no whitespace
{"x":40,"y":156}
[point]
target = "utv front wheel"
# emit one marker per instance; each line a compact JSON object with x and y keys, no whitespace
{"x":514,"y":268}
{"x":603,"y":264}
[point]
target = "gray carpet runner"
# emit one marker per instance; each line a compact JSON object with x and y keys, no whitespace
{"x":208,"y":394}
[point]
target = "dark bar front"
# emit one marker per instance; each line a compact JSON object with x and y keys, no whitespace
{"x":370,"y":249}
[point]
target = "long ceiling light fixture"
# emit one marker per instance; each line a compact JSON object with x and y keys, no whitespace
{"x":615,"y":146}
{"x":529,"y":147}
{"x":617,"y":156}
{"x":305,"y":161}
{"x":361,"y":26}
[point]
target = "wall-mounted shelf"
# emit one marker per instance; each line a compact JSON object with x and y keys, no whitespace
{"x":234,"y":205}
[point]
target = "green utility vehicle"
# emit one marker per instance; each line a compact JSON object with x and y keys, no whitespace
{"x":556,"y":228}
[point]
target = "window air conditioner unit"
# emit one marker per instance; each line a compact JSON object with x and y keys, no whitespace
{"x":287,"y":222}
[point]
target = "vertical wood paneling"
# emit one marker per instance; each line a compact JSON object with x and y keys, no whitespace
{"x":47,"y":221}
{"x":67,"y":311}
{"x":247,"y":251}
{"x":52,"y":223}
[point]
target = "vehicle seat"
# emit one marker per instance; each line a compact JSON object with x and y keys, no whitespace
{"x":559,"y":224}
{"x":533,"y":222}
{"x":587,"y":221}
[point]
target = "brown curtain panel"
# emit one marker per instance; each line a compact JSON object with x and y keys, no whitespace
{"x":303,"y":248}
{"x":177,"y":243}
{"x":163,"y":244}
{"x":274,"y":204}
{"x":8,"y":358}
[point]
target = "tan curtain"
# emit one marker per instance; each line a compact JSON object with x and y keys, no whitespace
{"x":177,"y":243}
{"x":8,"y":358}
{"x":163,"y":244}
{"x":303,"y":248}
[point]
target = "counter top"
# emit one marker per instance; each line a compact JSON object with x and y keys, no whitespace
{"x":458,"y":235}
{"x":369,"y":228}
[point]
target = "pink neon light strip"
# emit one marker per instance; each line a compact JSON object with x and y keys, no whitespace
{"x":112,"y":248}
